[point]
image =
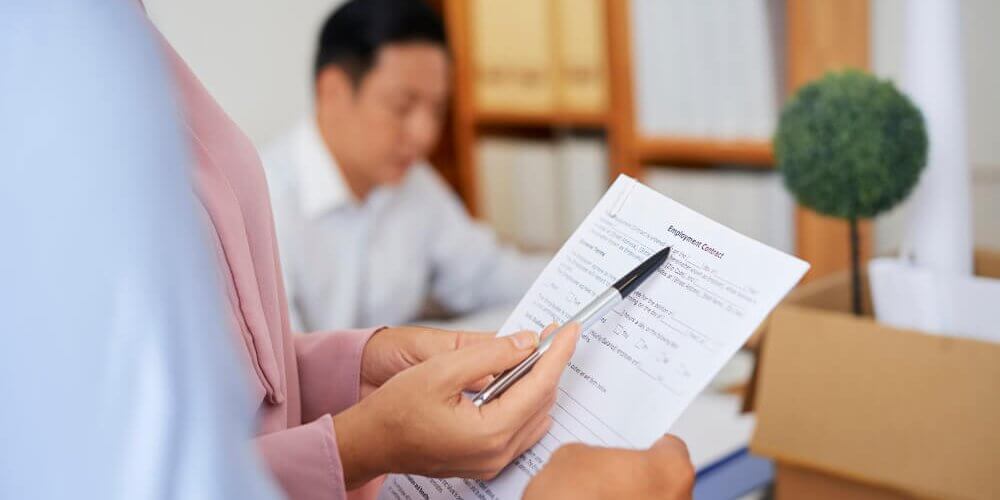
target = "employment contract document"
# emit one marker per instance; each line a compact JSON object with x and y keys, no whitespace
{"x":637,"y":370}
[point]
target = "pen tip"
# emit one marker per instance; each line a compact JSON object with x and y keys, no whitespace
{"x":663,"y":253}
{"x":633,"y":279}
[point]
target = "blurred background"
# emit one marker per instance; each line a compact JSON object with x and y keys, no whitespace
{"x":545,"y":88}
{"x":552,"y":99}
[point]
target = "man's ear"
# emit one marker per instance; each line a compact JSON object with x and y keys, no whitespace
{"x":333,"y":83}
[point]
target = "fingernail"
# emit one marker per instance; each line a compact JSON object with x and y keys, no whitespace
{"x":525,"y":340}
{"x":549,"y":330}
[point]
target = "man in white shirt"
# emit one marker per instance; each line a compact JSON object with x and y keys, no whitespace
{"x":368,"y":232}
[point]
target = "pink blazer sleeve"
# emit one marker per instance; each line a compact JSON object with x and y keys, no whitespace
{"x":305,"y":459}
{"x":305,"y":462}
{"x":330,"y":370}
{"x":300,"y":381}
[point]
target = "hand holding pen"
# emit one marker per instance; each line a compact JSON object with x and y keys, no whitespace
{"x":583,"y":320}
{"x":420,"y":422}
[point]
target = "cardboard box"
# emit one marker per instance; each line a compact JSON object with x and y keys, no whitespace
{"x":850,"y":408}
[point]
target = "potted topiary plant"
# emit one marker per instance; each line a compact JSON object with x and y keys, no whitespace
{"x":850,"y":146}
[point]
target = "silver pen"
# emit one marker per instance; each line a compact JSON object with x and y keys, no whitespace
{"x":586,"y":317}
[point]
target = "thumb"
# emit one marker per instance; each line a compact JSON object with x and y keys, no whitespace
{"x":442,"y":341}
{"x":671,"y":445}
{"x":669,"y":456}
{"x":463,"y":367}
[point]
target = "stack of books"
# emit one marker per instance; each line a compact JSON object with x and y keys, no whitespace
{"x":705,"y":68}
{"x":539,"y":56}
{"x":536,"y":192}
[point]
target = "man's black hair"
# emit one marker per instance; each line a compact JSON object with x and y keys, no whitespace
{"x":354,"y":33}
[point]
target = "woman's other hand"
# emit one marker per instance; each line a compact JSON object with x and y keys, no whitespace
{"x":394,"y":349}
{"x":420,"y":422}
{"x":581,"y":472}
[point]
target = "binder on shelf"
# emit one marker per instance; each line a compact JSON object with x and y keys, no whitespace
{"x":715,"y":43}
{"x":512,"y":56}
{"x":535,"y":193}
{"x":761,"y":100}
{"x":660,"y":30}
{"x":583,"y":179}
{"x":704,"y":69}
{"x":581,"y":61}
{"x":535,"y":197}
{"x":495,"y":157}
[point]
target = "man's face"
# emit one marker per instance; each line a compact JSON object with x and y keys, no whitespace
{"x":394,"y":116}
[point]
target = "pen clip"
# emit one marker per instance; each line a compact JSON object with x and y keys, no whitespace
{"x":622,"y":198}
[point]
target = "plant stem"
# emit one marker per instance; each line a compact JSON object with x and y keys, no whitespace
{"x":855,"y":267}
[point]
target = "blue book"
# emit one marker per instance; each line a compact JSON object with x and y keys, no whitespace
{"x":717,"y":435}
{"x":733,"y":476}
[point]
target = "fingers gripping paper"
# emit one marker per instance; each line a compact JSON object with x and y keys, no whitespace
{"x":637,"y":370}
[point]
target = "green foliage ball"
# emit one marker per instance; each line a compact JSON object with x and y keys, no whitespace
{"x":850,"y":145}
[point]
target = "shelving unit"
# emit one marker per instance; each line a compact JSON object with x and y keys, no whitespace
{"x":702,"y":152}
{"x":580,"y":120}
{"x":821,"y":35}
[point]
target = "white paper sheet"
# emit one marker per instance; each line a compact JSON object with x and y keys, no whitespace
{"x":931,"y":287}
{"x":917,"y":298}
{"x":939,"y":234}
{"x":635,"y":372}
{"x":713,"y":427}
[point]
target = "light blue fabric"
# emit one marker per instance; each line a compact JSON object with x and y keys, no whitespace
{"x":117,"y":376}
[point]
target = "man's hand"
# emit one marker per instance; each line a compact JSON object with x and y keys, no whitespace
{"x":420,"y":422}
{"x":395,"y":349}
{"x":582,"y":472}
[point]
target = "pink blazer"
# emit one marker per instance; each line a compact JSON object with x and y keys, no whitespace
{"x":298,"y":380}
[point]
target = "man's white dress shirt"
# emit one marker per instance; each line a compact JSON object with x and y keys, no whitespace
{"x":354,"y":263}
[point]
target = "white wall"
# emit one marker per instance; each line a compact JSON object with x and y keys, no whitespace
{"x":982,"y":83}
{"x":255,"y":56}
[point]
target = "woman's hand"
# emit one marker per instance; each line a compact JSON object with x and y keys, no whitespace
{"x":395,"y":349}
{"x":584,"y":472}
{"x":420,"y":422}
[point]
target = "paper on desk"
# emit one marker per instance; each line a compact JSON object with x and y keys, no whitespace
{"x":635,"y":372}
{"x":713,"y":427}
{"x":906,"y":296}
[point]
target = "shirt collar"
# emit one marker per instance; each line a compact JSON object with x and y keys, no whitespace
{"x":322,"y":187}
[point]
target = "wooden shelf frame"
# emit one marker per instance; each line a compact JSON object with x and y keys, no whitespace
{"x":698,"y":151}
{"x":631,"y":152}
{"x":530,"y":119}
{"x":820,"y":35}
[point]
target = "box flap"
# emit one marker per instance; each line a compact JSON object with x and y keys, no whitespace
{"x":914,"y":412}
{"x":988,"y":263}
{"x":794,"y":483}
{"x":832,"y":293}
